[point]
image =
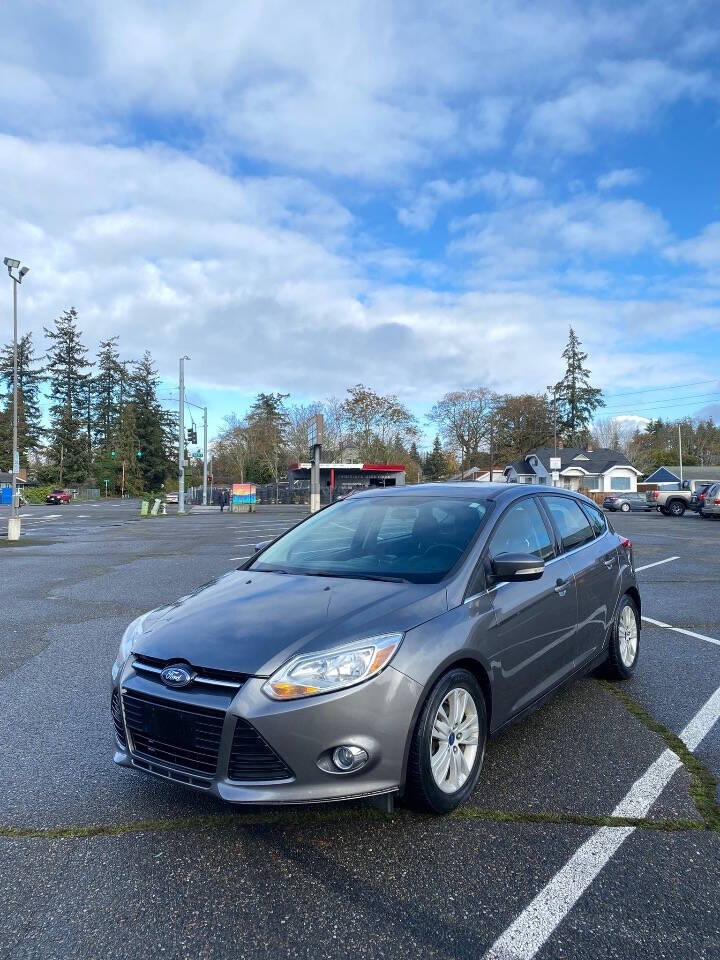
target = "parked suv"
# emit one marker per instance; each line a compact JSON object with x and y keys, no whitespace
{"x":710,"y":506}
{"x":698,"y":497}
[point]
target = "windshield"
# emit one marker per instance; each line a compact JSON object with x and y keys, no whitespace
{"x":419,"y":539}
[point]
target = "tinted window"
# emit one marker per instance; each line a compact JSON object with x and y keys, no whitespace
{"x":414,"y":538}
{"x":597,"y":519}
{"x":572,"y":523}
{"x":521,"y":530}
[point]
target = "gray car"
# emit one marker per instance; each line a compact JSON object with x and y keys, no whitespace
{"x":371,"y":650}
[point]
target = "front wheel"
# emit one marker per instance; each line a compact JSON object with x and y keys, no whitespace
{"x":448,"y":746}
{"x":625,"y":508}
{"x":624,"y":648}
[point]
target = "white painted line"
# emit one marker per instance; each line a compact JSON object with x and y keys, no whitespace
{"x":656,"y":564}
{"x":528,"y":933}
{"x":688,"y":633}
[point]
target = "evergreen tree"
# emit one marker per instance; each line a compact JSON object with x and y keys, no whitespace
{"x":67,"y":368}
{"x":29,"y":378}
{"x":575,"y":399}
{"x":153,"y":425}
{"x":129,"y":477}
{"x":435,"y":466}
{"x":108,"y":393}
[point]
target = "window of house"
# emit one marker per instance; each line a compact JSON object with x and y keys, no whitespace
{"x":619,"y":483}
{"x":573,"y":525}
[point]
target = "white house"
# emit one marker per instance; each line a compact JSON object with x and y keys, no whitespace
{"x":597,"y":470}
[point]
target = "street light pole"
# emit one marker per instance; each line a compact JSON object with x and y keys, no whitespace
{"x":181,"y":438}
{"x":205,"y":462}
{"x":14,"y":522}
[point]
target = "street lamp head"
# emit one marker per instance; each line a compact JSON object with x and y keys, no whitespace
{"x":23,"y":271}
{"x":10,"y":263}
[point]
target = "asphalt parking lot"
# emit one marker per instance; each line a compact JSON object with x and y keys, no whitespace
{"x":594,"y":831}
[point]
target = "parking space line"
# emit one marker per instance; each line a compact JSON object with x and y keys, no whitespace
{"x":656,"y":564}
{"x":531,"y":929}
{"x":688,"y":633}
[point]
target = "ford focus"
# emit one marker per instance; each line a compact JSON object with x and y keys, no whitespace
{"x":370,"y":651}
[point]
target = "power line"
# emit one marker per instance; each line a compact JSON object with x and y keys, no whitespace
{"x":676,"y":386}
{"x":629,"y":409}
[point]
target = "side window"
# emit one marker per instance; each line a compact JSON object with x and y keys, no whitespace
{"x":521,"y":530}
{"x":574,"y":526}
{"x":597,"y":519}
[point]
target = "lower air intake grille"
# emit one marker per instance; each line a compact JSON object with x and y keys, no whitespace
{"x":251,"y":758}
{"x":179,"y":734}
{"x":117,"y":719}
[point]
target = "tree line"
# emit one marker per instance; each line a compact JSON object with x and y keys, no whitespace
{"x":105,"y":422}
{"x":473,"y":427}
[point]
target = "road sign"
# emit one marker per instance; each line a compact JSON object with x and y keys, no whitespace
{"x":198,"y":455}
{"x":16,"y":462}
{"x":315,"y":431}
{"x":555,"y":463}
{"x":555,"y":476}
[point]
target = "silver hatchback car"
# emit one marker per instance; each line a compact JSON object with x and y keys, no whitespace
{"x":371,"y":650}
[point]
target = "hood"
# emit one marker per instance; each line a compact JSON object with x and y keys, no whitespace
{"x":251,"y":622}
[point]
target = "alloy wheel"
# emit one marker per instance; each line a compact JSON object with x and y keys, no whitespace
{"x":454,"y":740}
{"x":628,"y":636}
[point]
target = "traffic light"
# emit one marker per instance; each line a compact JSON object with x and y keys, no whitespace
{"x":192,"y":435}
{"x":113,"y":454}
{"x":139,"y":454}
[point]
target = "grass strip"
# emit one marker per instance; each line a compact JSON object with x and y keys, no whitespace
{"x":702,"y":783}
{"x":308,"y":818}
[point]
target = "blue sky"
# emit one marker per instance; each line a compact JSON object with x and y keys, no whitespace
{"x":418,"y":196}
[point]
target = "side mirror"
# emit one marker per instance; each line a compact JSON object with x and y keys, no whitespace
{"x":515,"y":567}
{"x":261,"y":546}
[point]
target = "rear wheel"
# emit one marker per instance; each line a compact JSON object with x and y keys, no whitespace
{"x":676,"y":508}
{"x":624,"y":648}
{"x":625,"y":508}
{"x":448,"y":746}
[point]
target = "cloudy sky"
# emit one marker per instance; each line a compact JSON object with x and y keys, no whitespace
{"x":419,"y":196}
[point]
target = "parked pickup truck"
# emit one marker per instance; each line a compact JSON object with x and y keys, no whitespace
{"x":674,"y":503}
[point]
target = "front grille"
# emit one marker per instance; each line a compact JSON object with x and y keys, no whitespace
{"x":204,"y":675}
{"x":180,"y":734}
{"x":117,"y":719}
{"x":251,"y":758}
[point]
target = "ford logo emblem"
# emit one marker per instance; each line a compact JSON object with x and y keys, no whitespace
{"x":177,"y":676}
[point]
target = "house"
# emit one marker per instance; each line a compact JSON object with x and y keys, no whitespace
{"x":596,"y":470}
{"x":669,"y":477}
{"x":6,"y":480}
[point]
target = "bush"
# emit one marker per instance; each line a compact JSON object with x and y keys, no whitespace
{"x":37,"y":494}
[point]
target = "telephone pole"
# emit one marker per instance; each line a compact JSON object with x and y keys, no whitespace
{"x":205,"y":460}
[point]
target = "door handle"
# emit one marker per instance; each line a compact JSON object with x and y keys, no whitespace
{"x":609,"y":562}
{"x":561,"y":587}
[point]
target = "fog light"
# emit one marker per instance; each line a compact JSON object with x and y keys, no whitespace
{"x":348,"y":758}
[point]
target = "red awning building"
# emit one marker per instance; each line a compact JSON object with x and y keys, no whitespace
{"x":338,"y":479}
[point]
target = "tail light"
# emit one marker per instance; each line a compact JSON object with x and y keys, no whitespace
{"x":716,"y":501}
{"x":655,"y":496}
{"x":627,"y":547}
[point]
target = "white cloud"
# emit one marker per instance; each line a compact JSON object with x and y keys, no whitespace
{"x":625,"y":177}
{"x":703,"y":250}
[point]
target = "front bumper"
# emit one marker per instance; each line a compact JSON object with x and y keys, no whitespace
{"x":375,"y":715}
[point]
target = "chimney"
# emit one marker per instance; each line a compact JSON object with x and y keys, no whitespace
{"x":560,"y":445}
{"x":589,"y":448}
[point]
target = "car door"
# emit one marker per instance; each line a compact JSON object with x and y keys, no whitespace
{"x":533,"y":640}
{"x":592,"y":554}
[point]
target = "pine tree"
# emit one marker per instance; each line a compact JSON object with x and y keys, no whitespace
{"x":129,"y":478}
{"x":67,"y":367}
{"x":576,"y":401}
{"x":29,"y":378}
{"x":153,"y":425}
{"x":435,"y":466}
{"x":109,"y":385}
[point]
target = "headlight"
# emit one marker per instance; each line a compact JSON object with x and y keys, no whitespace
{"x":315,"y":673}
{"x":133,"y":632}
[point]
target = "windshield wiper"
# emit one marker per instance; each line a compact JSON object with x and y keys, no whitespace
{"x":355,"y":576}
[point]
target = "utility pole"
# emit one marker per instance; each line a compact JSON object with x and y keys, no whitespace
{"x":205,"y":462}
{"x":14,"y":521}
{"x":181,"y":438}
{"x":680,"y":450}
{"x":491,"y":450}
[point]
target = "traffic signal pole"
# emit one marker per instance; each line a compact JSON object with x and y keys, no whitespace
{"x":205,"y":459}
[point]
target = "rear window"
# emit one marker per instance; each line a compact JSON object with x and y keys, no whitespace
{"x":597,"y":519}
{"x":573,"y":526}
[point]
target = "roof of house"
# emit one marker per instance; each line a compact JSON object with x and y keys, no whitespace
{"x":591,"y":461}
{"x":689,"y":473}
{"x":6,"y":477}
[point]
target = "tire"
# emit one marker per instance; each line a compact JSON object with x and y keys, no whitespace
{"x":623,"y":656}
{"x":423,"y":791}
{"x":664,"y":511}
{"x":625,"y":508}
{"x":676,"y":508}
